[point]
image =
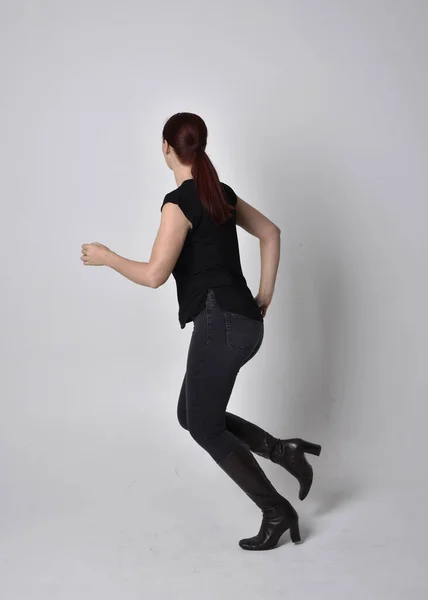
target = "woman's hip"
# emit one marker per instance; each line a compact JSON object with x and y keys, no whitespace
{"x":224,"y":335}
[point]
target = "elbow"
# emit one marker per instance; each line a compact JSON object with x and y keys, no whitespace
{"x":273,"y":232}
{"x":154,"y":277}
{"x":156,"y":280}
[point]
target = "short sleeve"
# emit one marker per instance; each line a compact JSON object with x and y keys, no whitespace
{"x":231,"y":193}
{"x":184,"y":203}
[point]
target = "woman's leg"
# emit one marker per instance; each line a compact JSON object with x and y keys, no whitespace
{"x":213,"y":362}
{"x":205,"y":392}
{"x":256,"y":438}
{"x":249,"y":433}
{"x":288,"y":453}
{"x":217,"y":350}
{"x":219,"y":347}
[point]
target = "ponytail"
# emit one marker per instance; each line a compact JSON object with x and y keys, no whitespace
{"x":187,"y":134}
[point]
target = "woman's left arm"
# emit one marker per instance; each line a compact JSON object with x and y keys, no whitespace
{"x":172,"y":233}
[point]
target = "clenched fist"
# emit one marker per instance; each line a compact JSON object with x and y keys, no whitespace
{"x":95,"y":254}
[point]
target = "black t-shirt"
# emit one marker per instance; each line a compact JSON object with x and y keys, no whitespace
{"x":209,"y":259}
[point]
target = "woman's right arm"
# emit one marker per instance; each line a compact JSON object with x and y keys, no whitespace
{"x":269,"y":234}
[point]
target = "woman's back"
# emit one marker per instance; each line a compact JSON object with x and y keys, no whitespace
{"x":209,"y":259}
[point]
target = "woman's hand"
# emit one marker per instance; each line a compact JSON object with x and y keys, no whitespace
{"x":263,"y":301}
{"x":95,"y":254}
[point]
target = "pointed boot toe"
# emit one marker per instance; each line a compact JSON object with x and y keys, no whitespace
{"x":275,"y":523}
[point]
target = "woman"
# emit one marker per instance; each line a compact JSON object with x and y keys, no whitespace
{"x":197,"y":242}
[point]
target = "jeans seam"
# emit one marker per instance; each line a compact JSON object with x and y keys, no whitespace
{"x":208,"y":322}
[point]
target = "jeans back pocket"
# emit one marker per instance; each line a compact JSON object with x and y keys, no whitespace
{"x":242,"y":333}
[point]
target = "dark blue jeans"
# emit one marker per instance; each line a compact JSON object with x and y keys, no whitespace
{"x":221,"y":343}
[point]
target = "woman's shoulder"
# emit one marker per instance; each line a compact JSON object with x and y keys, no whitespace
{"x":230,"y":192}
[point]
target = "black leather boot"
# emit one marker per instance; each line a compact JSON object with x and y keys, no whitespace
{"x":278,"y":513}
{"x":290,"y":454}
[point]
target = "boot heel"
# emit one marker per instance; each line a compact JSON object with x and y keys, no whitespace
{"x":311,"y":448}
{"x":295,"y":533}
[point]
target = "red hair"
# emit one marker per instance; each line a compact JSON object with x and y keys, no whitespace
{"x":187,"y":134}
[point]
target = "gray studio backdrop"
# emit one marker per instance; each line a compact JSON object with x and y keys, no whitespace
{"x":317,"y":116}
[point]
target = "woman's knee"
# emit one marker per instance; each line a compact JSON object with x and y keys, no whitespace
{"x":205,"y":436}
{"x":182,"y":418}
